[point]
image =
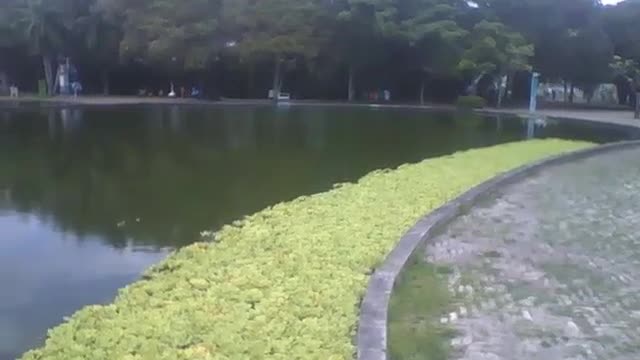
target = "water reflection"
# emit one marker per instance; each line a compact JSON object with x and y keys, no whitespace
{"x":47,"y":274}
{"x":181,"y":171}
{"x":89,"y":197}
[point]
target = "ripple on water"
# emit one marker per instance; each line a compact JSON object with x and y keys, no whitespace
{"x":553,"y":265}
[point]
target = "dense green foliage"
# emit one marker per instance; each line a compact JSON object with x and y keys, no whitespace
{"x":283,"y":283}
{"x":470,"y":102}
{"x":320,"y":48}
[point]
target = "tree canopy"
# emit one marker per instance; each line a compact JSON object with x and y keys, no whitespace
{"x":345,"y":47}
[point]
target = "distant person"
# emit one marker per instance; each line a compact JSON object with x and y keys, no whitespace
{"x":387,"y":95}
{"x":76,"y":86}
{"x":13,"y":91}
{"x":195,"y":92}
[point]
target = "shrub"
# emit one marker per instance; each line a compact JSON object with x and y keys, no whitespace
{"x":471,"y":102}
{"x":284,"y":283}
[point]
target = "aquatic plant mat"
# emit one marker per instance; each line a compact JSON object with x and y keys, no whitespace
{"x":284,"y":283}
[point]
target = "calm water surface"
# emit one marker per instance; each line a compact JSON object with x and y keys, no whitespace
{"x":90,"y":197}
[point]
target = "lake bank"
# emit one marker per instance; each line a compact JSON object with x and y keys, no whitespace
{"x":616,"y":117}
{"x":285,"y":282}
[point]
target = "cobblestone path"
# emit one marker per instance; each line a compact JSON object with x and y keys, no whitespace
{"x":549,"y":269}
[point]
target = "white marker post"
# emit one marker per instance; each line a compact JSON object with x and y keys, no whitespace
{"x":533,"y":103}
{"x":533,"y":98}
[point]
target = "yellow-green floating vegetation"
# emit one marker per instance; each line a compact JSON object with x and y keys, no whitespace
{"x":284,"y":283}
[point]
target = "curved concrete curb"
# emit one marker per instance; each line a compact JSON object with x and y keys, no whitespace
{"x":372,"y":326}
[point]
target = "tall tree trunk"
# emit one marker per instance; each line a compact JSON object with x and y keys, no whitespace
{"x":510,"y":80}
{"x":201,"y":86}
{"x":501,"y":90}
{"x":571,"y":94}
{"x":277,"y":81}
{"x":250,"y":75}
{"x":48,"y":74}
{"x":105,"y":82}
{"x":422,"y":81}
{"x":352,"y":85}
{"x":565,"y":91}
{"x":4,"y":82}
{"x":621,"y":91}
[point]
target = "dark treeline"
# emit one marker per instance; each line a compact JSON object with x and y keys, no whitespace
{"x":333,"y":49}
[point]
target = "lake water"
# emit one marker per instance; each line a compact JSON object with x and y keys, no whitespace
{"x":90,"y":197}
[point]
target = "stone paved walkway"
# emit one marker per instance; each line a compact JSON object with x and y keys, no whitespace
{"x":620,"y":117}
{"x":550,"y":269}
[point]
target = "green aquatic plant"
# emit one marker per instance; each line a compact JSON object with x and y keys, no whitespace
{"x":284,"y":283}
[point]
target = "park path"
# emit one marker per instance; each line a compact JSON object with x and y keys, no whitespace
{"x":550,"y":268}
{"x":619,"y":117}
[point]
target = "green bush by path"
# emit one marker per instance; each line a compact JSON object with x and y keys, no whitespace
{"x":284,"y":283}
{"x":471,"y":102}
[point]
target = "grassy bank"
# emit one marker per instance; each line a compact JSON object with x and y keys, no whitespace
{"x":420,"y":297}
{"x":283,"y":283}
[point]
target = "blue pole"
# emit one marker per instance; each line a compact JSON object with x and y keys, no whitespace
{"x":531,"y":127}
{"x":534,"y":92}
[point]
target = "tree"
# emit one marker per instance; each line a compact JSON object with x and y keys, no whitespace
{"x":100,"y":34}
{"x":621,"y":24}
{"x":258,"y":30}
{"x":435,"y":37}
{"x":45,"y":26}
{"x":9,"y":31}
{"x":625,"y":73}
{"x":570,"y":44}
{"x":589,"y":54}
{"x":408,"y":44}
{"x":360,"y":29}
{"x":496,"y":50}
{"x":163,"y":34}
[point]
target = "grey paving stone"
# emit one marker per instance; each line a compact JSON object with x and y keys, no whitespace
{"x":556,"y":260}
